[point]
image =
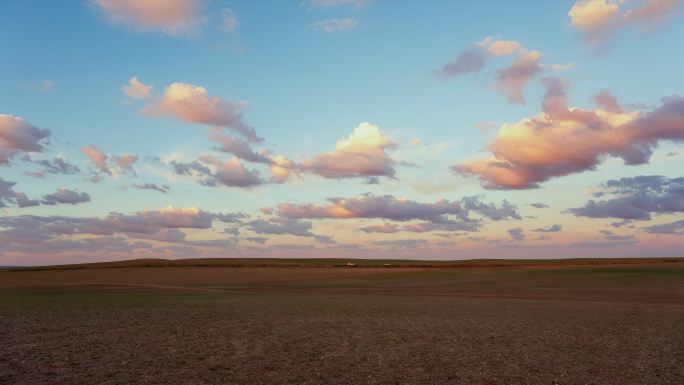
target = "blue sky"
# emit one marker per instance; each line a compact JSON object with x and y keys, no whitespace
{"x":303,"y":88}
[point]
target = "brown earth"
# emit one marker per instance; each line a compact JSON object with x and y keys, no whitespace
{"x":558,"y":323}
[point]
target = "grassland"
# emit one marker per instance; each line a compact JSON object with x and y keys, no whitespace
{"x":309,"y":322}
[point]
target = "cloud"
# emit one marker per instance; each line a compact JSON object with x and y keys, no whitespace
{"x":211,"y":171}
{"x":193,"y":104}
{"x":23,"y":201}
{"x":112,"y":166}
{"x":600,"y":19}
{"x":335,"y":25}
{"x":98,"y":158}
{"x":637,"y":198}
{"x":125,"y":162}
{"x":362,"y":154}
{"x":402,"y":243}
{"x":65,"y":196}
{"x":563,"y":140}
{"x":153,"y":186}
{"x":45,"y":234}
{"x":539,"y":205}
{"x":610,"y":236}
{"x":512,"y":79}
{"x":172,"y":17}
{"x":676,"y":227}
{"x":517,"y":234}
{"x":385,"y":228}
{"x":239,"y":147}
{"x":229,"y":20}
{"x":489,"y":210}
{"x":501,"y":47}
{"x":56,"y":165}
{"x":136,"y":89}
{"x":280,"y":226}
{"x":18,"y":136}
{"x":9,"y":196}
{"x":283,"y":226}
{"x":551,"y":229}
{"x":442,"y":215}
{"x":468,"y":61}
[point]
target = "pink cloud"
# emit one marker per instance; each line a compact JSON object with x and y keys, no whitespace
{"x":97,"y":157}
{"x":193,"y":104}
{"x":18,"y":136}
{"x":136,"y":89}
{"x":562,"y":140}
{"x":512,"y":79}
{"x":600,"y":19}
{"x":172,"y":17}
{"x":362,"y":154}
{"x":110,"y":165}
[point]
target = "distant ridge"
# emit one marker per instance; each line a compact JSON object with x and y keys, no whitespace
{"x":348,"y":263}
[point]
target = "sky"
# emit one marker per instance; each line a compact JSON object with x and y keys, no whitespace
{"x":340,"y":128}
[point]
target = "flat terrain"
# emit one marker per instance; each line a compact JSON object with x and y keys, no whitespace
{"x":379,"y":322}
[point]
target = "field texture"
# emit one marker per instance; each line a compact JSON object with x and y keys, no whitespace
{"x":181,"y":322}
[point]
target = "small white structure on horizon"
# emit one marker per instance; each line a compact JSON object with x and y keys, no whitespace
{"x":350,"y":264}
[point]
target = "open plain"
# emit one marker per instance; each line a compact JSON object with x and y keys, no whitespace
{"x":322,"y":322}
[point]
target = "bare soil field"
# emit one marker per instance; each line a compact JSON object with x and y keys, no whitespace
{"x":294,"y":322}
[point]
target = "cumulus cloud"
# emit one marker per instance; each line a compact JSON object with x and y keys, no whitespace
{"x":362,"y":154}
{"x":172,"y":17}
{"x":17,"y":136}
{"x":193,"y":104}
{"x":637,"y":198}
{"x":65,"y":196}
{"x":335,"y":25}
{"x":136,"y":89}
{"x":153,"y":186}
{"x":600,"y":19}
{"x":211,"y":171}
{"x":539,"y":205}
{"x":562,"y":140}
